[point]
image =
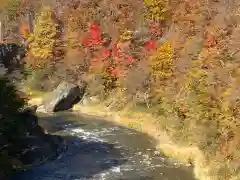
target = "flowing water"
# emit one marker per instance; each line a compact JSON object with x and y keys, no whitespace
{"x":99,"y":150}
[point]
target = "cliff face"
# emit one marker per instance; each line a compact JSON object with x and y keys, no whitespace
{"x":20,"y":132}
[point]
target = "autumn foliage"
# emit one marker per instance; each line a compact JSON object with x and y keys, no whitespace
{"x":44,"y":39}
{"x":182,"y":54}
{"x":24,"y":31}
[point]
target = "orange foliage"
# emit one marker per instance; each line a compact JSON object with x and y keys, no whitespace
{"x":210,"y":40}
{"x":24,"y":30}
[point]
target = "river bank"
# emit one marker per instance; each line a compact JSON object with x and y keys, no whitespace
{"x":145,"y":123}
{"x":102,"y":150}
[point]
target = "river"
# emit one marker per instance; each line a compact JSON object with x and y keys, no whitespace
{"x":100,"y":150}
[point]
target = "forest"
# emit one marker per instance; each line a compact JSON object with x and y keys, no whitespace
{"x":177,"y":60}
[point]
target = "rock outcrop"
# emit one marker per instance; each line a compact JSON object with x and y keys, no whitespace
{"x":62,"y":98}
{"x":31,"y":148}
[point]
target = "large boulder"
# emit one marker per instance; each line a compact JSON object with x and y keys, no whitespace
{"x":63,"y":97}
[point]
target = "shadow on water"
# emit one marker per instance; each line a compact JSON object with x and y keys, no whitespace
{"x":95,"y":146}
{"x":81,"y":159}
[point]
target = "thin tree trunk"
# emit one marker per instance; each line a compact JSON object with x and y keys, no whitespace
{"x":1,"y":31}
{"x":31,"y":21}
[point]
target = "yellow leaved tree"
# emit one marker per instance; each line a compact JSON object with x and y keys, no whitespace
{"x":43,"y":40}
{"x":161,"y":64}
{"x":156,"y":9}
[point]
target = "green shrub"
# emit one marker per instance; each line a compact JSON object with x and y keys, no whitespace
{"x":10,"y":124}
{"x":10,"y":101}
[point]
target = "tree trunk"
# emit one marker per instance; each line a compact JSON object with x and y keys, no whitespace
{"x":1,"y":31}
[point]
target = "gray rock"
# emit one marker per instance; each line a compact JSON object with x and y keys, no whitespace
{"x":41,"y":109}
{"x":63,"y":97}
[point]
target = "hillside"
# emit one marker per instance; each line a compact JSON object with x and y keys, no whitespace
{"x":177,"y":60}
